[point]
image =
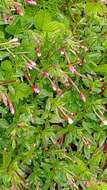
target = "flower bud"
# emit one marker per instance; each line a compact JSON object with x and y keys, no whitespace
{"x":54,"y":86}
{"x":62,"y":51}
{"x":38,"y":53}
{"x":104,"y":122}
{"x":87,"y":184}
{"x":35,"y":89}
{"x":19,"y":11}
{"x":11,"y":107}
{"x":45,"y":74}
{"x":31,"y":2}
{"x":11,"y":19}
{"x":4,"y":19}
{"x":31,"y":65}
{"x":70,"y":120}
{"x":66,"y":82}
{"x":59,"y":92}
{"x":13,"y":41}
{"x":82,"y":97}
{"x":86,"y":142}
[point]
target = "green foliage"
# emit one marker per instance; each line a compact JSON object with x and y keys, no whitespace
{"x":53,"y":95}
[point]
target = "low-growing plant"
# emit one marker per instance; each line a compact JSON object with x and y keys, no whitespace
{"x":53,"y":95}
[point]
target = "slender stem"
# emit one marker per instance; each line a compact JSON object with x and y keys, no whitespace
{"x":97,"y":114}
{"x":6,"y":82}
{"x":75,"y":86}
{"x":10,"y":52}
{"x":27,"y":77}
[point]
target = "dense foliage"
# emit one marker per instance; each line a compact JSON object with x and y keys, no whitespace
{"x":53,"y":95}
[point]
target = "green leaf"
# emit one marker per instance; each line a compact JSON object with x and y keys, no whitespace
{"x":93,"y":8}
{"x":6,"y":65}
{"x":3,"y":54}
{"x":42,"y":18}
{"x":101,"y":68}
{"x":53,"y":26}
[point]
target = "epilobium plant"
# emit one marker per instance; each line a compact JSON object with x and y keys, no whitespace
{"x":53,"y":95}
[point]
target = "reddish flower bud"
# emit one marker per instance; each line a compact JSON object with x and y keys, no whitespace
{"x":11,"y":19}
{"x":72,"y":69}
{"x":87,"y":184}
{"x":45,"y":74}
{"x":59,"y":92}
{"x":35,"y":89}
{"x":31,"y":2}
{"x":19,"y":11}
{"x":66,"y":82}
{"x":38,"y":53}
{"x":82,"y":97}
{"x":4,"y":19}
{"x":62,"y":51}
{"x":11,"y":107}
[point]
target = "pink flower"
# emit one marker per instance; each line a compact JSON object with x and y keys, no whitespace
{"x":35,"y":89}
{"x":45,"y":74}
{"x":31,"y":65}
{"x":72,"y":69}
{"x":31,"y":2}
{"x":11,"y":107}
{"x":82,"y":97}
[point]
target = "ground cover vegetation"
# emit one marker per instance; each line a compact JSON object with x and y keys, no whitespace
{"x":53,"y":95}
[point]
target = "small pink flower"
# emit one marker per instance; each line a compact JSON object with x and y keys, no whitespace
{"x":35,"y":89}
{"x":31,"y":2}
{"x":72,"y":69}
{"x":45,"y":74}
{"x":82,"y":97}
{"x":31,"y":65}
{"x":11,"y":107}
